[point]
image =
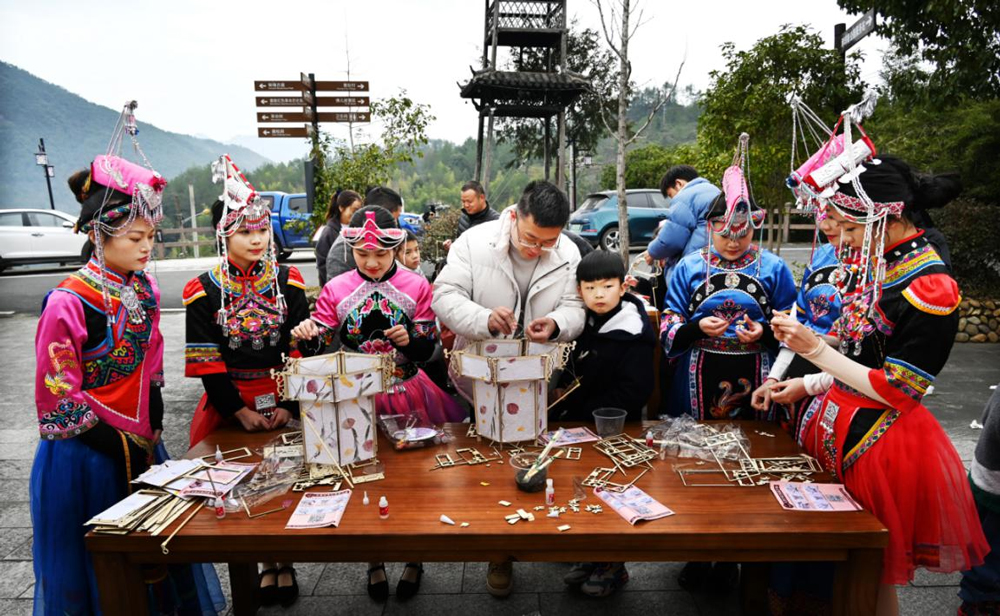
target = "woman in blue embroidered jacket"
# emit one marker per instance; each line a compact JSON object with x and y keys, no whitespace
{"x":896,"y":331}
{"x":717,"y":300}
{"x":100,"y":411}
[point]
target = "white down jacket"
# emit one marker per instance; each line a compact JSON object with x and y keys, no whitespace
{"x":479,"y":277}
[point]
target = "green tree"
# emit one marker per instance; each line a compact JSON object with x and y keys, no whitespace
{"x":751,"y":95}
{"x":960,"y":38}
{"x":338,"y":165}
{"x":645,"y":166}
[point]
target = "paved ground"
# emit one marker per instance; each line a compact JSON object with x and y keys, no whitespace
{"x":448,"y":588}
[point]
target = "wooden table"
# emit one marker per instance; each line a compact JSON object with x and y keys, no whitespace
{"x":711,"y":524}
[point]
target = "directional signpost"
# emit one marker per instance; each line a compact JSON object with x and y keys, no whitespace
{"x":845,"y":38}
{"x":301,"y":94}
{"x":306,"y":116}
{"x":282,"y":131}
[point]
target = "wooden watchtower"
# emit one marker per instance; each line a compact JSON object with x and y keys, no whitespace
{"x":538,"y":24}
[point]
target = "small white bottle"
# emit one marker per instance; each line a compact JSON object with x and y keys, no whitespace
{"x":220,"y":508}
{"x":550,"y":493}
{"x":383,"y":508}
{"x":218,"y":455}
{"x":365,"y":501}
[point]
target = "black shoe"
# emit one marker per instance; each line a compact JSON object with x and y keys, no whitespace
{"x":405,"y":588}
{"x":287,"y":595}
{"x":269,"y":593}
{"x":724,"y":576}
{"x":694,"y":576}
{"x":378,"y":591}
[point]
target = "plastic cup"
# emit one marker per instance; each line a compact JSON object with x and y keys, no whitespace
{"x":609,"y":421}
{"x":521,"y":463}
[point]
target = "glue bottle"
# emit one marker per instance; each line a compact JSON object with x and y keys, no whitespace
{"x":365,"y":501}
{"x":220,"y":508}
{"x":218,"y":455}
{"x":649,"y":438}
{"x":550,"y":493}
{"x":383,"y":508}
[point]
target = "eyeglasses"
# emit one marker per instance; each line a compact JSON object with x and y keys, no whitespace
{"x":546,"y":246}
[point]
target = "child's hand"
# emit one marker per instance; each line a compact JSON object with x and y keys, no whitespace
{"x":761,"y":398}
{"x":789,"y":392}
{"x":398,"y":335}
{"x":713,"y":326}
{"x":749,"y":331}
{"x":631,"y":281}
{"x":306,"y":330}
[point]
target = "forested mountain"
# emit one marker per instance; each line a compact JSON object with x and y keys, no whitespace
{"x":75,"y":130}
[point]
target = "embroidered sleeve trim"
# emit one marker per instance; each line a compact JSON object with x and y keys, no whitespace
{"x":67,"y":420}
{"x":202,"y":359}
{"x":907,"y":378}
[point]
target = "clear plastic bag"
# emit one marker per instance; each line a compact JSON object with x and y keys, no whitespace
{"x":684,"y":437}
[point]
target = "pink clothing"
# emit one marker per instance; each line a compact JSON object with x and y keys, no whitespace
{"x":82,"y":378}
{"x":358,"y":310}
{"x":342,"y":294}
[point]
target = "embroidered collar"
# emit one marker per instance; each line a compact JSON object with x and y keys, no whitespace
{"x":115,"y":279}
{"x":905,"y":246}
{"x":719,"y":262}
{"x":259,"y":278}
{"x":256,"y":268}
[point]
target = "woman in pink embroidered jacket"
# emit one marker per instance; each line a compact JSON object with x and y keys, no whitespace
{"x":98,"y":377}
{"x":380,"y":307}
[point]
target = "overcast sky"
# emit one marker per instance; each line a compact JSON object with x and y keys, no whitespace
{"x":191,"y":64}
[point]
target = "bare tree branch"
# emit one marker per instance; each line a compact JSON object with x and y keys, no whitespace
{"x":607,"y":125}
{"x":661,"y":100}
{"x":638,"y":24}
{"x":604,"y":28}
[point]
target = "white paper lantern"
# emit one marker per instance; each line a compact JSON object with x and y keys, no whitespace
{"x":510,"y":385}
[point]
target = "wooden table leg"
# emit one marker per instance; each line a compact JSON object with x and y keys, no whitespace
{"x":244,"y":585}
{"x":120,"y":585}
{"x":855,"y":590}
{"x":754,"y":582}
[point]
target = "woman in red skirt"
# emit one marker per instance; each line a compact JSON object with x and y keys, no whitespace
{"x":239,"y":317}
{"x":895,"y":334}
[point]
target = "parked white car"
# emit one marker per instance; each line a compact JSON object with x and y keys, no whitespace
{"x":39,"y":236}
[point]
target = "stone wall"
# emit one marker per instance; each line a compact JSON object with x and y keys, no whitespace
{"x":979,"y":322}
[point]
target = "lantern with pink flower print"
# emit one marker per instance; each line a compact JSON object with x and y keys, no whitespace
{"x":510,"y":385}
{"x":336,"y":396}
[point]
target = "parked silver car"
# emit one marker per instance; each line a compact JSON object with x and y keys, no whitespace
{"x":39,"y":236}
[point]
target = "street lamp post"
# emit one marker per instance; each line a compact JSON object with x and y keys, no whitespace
{"x":42,"y":160}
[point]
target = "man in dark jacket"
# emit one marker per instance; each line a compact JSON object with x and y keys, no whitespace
{"x":613,"y":358}
{"x":475,"y":209}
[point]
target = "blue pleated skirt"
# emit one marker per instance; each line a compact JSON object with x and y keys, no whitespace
{"x":70,"y":483}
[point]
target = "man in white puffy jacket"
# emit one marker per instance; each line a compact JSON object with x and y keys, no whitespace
{"x":508,"y":276}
